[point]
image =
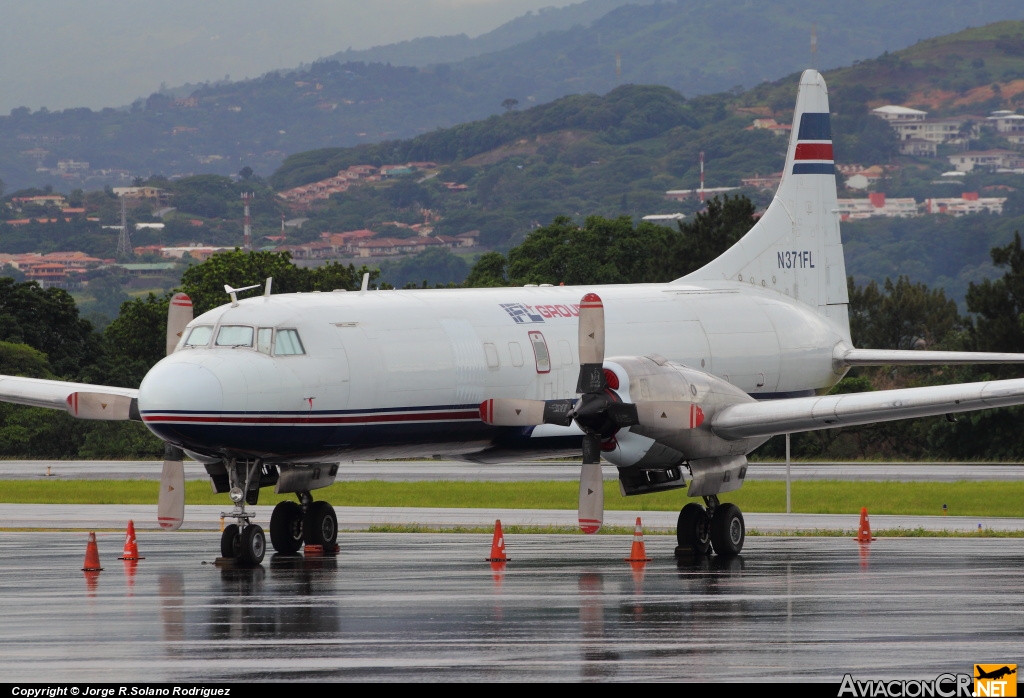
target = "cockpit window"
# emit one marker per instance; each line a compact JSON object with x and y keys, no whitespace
{"x":263,"y":337}
{"x":199,"y":336}
{"x":234,"y":336}
{"x":287,"y":342}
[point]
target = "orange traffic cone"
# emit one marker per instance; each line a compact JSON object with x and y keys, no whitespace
{"x":92,"y":555}
{"x":498,"y":545}
{"x":639,"y":552}
{"x":864,"y":529}
{"x":131,"y":548}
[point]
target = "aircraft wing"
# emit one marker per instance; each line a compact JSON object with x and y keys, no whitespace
{"x":772,"y":417}
{"x":82,"y":400}
{"x":895,"y":357}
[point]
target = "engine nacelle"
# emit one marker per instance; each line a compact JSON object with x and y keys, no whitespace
{"x":652,"y":459}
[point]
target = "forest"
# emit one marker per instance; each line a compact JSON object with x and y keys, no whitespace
{"x":43,"y":335}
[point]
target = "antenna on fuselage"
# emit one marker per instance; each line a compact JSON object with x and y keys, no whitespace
{"x":233,"y":292}
{"x":366,"y":282}
{"x":266,"y":291}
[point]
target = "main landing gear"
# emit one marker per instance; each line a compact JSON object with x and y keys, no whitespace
{"x":291,"y":524}
{"x":309,"y":522}
{"x":719,"y":527}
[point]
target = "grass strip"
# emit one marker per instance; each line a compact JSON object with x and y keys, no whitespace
{"x":1002,"y":499}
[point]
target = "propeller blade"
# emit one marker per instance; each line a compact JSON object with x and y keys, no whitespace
{"x":591,"y":511}
{"x":591,"y":329}
{"x":624,"y":414}
{"x":670,"y":415}
{"x":100,"y":406}
{"x":179,"y":314}
{"x":512,"y":412}
{"x":591,"y":449}
{"x":170,"y":508}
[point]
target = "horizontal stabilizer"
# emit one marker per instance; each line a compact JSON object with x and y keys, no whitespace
{"x":893,"y":357}
{"x":773,"y":417}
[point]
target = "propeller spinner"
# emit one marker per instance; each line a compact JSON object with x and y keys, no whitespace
{"x":598,"y":411}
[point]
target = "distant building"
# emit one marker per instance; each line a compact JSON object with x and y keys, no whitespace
{"x":915,"y":130}
{"x":763,"y":182}
{"x":876,"y":205}
{"x":146,"y":193}
{"x":969,"y":202}
{"x":865,"y":178}
{"x":986,"y":159}
{"x":683,"y":194}
{"x":1008,"y":124}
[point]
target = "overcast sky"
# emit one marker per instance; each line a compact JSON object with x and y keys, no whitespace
{"x":106,"y":53}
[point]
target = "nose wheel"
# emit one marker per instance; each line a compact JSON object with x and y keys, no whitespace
{"x":247,"y":545}
{"x":719,"y":527}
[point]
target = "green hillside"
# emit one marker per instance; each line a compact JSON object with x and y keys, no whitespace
{"x":695,"y":47}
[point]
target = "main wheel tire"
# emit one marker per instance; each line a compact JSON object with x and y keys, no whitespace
{"x":693,"y":530}
{"x":230,"y":542}
{"x":320,"y":526}
{"x":727,"y":530}
{"x":286,"y":527}
{"x":254,"y":545}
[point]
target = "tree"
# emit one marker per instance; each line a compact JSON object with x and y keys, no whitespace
{"x":999,"y":304}
{"x":204,"y":283}
{"x":433,"y":266}
{"x":23,"y":360}
{"x":601,"y":251}
{"x":509,"y":104}
{"x":711,"y":232}
{"x":48,"y":321}
{"x":904,"y":316}
{"x":488,"y":272}
{"x":134,"y":342}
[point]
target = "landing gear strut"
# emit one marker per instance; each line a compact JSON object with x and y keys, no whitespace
{"x":291,"y":524}
{"x":719,"y":527}
{"x":244,"y":541}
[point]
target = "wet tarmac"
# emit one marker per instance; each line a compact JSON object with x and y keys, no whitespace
{"x":410,"y":471}
{"x":427,"y":607}
{"x":206,"y":517}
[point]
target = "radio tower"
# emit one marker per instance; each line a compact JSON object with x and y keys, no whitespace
{"x":247,"y":240}
{"x":124,"y":242}
{"x":814,"y":45}
{"x":702,"y":176}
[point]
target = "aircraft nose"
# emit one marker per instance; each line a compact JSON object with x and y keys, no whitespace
{"x":180,"y":388}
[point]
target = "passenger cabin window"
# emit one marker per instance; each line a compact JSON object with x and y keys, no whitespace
{"x":516,"y":352}
{"x":491,"y":352}
{"x":234,"y":336}
{"x":264,"y":335}
{"x":199,"y":336}
{"x":287,"y":343}
{"x":540,"y":351}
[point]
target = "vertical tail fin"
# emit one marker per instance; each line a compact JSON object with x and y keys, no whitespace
{"x":795,"y":247}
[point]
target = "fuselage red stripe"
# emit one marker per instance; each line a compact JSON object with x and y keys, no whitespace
{"x":297,"y":420}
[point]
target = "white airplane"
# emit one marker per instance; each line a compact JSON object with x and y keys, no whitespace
{"x":278,"y":390}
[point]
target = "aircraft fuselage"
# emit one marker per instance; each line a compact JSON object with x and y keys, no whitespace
{"x":392,"y":373}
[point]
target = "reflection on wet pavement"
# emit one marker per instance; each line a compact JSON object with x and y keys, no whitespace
{"x":428,"y":607}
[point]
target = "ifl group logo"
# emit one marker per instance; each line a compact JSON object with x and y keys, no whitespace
{"x":995,"y":680}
